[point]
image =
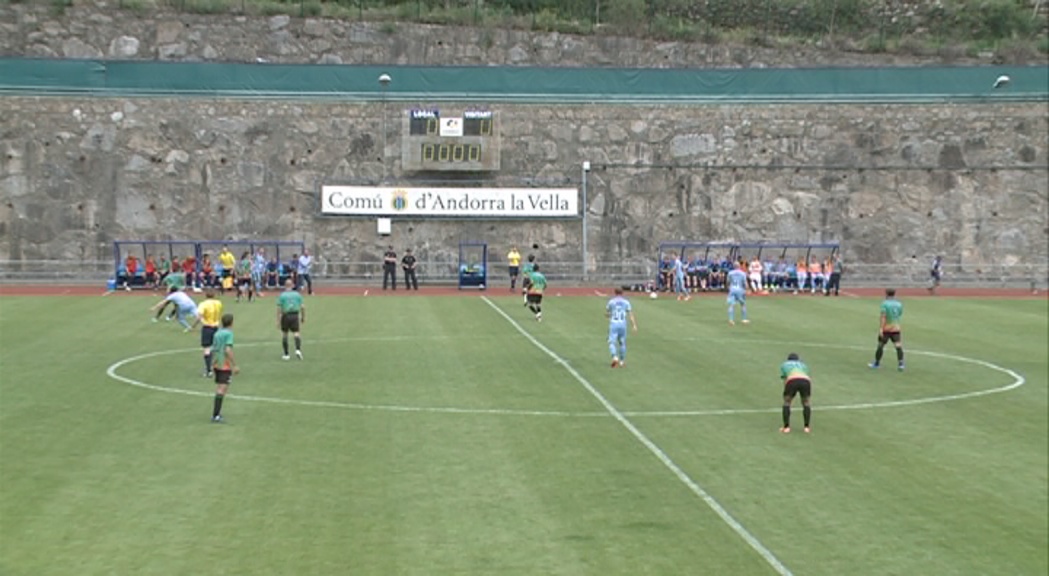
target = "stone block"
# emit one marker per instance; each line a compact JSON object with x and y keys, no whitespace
{"x":123,"y":47}
{"x":78,"y":49}
{"x":100,"y":137}
{"x":168,"y":32}
{"x":172,"y":51}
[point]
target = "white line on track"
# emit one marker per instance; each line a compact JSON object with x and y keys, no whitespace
{"x":656,"y":451}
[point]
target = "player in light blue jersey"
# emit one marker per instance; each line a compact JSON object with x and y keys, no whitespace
{"x":618,"y":310}
{"x":679,"y":279}
{"x":737,"y":292}
{"x":185,"y":306}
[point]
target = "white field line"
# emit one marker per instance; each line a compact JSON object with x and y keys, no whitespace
{"x":656,"y":451}
{"x":112,"y":373}
{"x":1018,"y":381}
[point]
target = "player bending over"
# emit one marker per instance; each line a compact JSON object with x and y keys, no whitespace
{"x":796,"y":380}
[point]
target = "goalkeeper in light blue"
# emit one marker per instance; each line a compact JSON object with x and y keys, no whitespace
{"x":737,"y":293}
{"x":618,"y":311}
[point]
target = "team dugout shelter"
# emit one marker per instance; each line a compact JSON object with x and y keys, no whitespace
{"x":280,"y":252}
{"x":717,"y":255}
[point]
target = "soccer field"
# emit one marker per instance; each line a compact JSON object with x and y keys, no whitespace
{"x":439,"y":435}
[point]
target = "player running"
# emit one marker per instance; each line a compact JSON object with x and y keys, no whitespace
{"x":737,"y":292}
{"x":536,"y":285}
{"x":891,"y":315}
{"x":796,"y":380}
{"x":617,"y":311}
{"x":526,"y":276}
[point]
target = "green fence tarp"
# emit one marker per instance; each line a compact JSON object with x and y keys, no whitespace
{"x":522,"y":84}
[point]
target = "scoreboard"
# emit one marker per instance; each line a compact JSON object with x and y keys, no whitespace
{"x":467,"y":142}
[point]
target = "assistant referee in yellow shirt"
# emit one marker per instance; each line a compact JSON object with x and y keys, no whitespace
{"x":209,"y":313}
{"x":514,"y":258}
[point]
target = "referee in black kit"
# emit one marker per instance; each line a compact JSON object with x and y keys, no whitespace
{"x":408,"y":264}
{"x":389,"y":268}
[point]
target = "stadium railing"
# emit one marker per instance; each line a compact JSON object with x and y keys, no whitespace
{"x":900,"y":275}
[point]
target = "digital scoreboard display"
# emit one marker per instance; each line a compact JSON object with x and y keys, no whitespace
{"x":464,"y":142}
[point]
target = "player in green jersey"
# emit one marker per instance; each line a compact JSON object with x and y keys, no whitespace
{"x":291,"y":312}
{"x":243,"y":274}
{"x":796,"y":380}
{"x":891,"y":315}
{"x":171,"y":281}
{"x":526,"y":276}
{"x":223,"y":364}
{"x":536,"y":286}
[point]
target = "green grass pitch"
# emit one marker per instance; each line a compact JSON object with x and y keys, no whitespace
{"x":458,"y":436}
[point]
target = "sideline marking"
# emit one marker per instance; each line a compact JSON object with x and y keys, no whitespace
{"x":656,"y":451}
{"x":1018,"y":381}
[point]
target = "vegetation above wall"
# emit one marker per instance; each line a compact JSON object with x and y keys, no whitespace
{"x":1016,"y":29}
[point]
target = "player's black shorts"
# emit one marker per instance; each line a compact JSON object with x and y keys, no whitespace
{"x":887,"y":336}
{"x":535,"y":298}
{"x":515,"y":270}
{"x":289,"y":322}
{"x":244,"y":281}
{"x":526,"y":282}
{"x":796,"y":386}
{"x":222,"y":376}
{"x":207,"y":335}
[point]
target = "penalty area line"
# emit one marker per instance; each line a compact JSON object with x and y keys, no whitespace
{"x":656,"y":451}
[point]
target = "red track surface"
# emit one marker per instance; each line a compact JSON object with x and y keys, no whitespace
{"x":82,"y":290}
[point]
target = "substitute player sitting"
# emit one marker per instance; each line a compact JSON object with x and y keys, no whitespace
{"x":796,"y":380}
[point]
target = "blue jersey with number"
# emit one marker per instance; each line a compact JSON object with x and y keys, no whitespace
{"x":679,"y":267}
{"x":737,"y":281}
{"x":618,"y":310}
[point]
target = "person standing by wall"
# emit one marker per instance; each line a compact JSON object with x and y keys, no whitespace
{"x":408,"y":265}
{"x":836,"y":269}
{"x":935,"y":274}
{"x":389,"y":268}
{"x":513,"y":259}
{"x":305,"y":267}
{"x":227,"y":263}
